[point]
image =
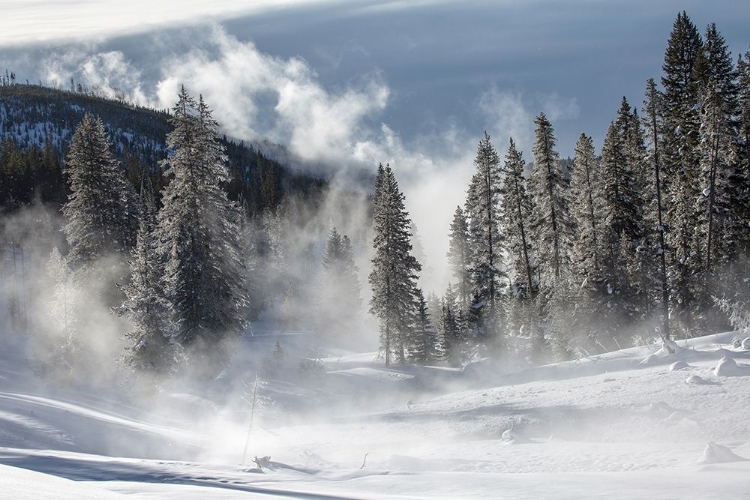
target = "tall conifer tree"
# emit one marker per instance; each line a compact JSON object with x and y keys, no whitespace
{"x":517,"y":211}
{"x":394,"y":268}
{"x":199,"y":230}
{"x":101,"y":212}
{"x":483,"y":211}
{"x":681,"y":161}
{"x":652,"y":107}
{"x":459,"y":256}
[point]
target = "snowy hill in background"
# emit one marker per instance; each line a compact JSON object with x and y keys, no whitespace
{"x":639,"y":423}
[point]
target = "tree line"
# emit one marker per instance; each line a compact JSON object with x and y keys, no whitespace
{"x":644,"y":239}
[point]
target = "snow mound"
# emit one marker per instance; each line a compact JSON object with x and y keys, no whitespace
{"x":649,"y":360}
{"x":514,"y":437}
{"x":695,"y":379}
{"x":746,"y":344}
{"x":718,"y":454}
{"x":668,"y":347}
{"x":728,"y":367}
{"x":678,"y":365}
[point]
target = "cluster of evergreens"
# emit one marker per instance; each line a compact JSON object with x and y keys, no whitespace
{"x":638,"y":241}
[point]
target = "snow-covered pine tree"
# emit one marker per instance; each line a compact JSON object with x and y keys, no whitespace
{"x":551,"y":218}
{"x":434,"y":305}
{"x":273,"y":250}
{"x":586,"y":259}
{"x":743,"y":84}
{"x":516,"y":222}
{"x":653,"y":125}
{"x":394,"y":268}
{"x":621,"y":232}
{"x":741,"y":197}
{"x":152,"y":347}
{"x":643,"y":269}
{"x":459,"y":256}
{"x":721,"y":179}
{"x":552,"y":233}
{"x":637,"y":196}
{"x":483,"y":211}
{"x":681,"y":162}
{"x":199,"y":234}
{"x":339,"y":302}
{"x":516,"y":216}
{"x":102,"y":210}
{"x":585,"y":211}
{"x":453,"y":341}
{"x":424,"y":342}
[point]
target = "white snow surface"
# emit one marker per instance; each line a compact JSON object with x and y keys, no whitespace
{"x":617,"y":425}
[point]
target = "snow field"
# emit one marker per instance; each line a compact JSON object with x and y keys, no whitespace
{"x":620,"y":425}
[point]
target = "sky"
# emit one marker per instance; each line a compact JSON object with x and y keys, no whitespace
{"x":349,"y":84}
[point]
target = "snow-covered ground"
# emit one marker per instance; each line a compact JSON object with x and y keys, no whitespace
{"x":638,"y":423}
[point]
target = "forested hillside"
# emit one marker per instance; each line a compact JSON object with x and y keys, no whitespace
{"x":37,"y":125}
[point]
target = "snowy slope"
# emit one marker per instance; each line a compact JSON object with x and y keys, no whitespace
{"x":631,"y":424}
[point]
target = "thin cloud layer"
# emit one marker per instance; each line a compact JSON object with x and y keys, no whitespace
{"x":44,"y":21}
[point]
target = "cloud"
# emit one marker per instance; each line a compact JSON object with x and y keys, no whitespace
{"x":258,"y":96}
{"x":47,"y":20}
{"x":507,"y":116}
{"x":511,"y":114}
{"x":559,"y":108}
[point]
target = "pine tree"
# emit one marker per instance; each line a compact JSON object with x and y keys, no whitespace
{"x":551,"y":220}
{"x":652,"y":107}
{"x":101,"y":212}
{"x":199,"y":234}
{"x":680,"y":161}
{"x":434,"y":305}
{"x":741,"y":197}
{"x":585,"y":205}
{"x":622,"y":230}
{"x":459,"y":256}
{"x":681,"y":87}
{"x":339,"y":299}
{"x":517,"y":212}
{"x":424,"y":343}
{"x":552,"y":233}
{"x":483,"y":211}
{"x":586,"y":257}
{"x":394,"y":268}
{"x":452,"y":330}
{"x":152,"y":347}
{"x":743,"y":71}
{"x":720,"y":182}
